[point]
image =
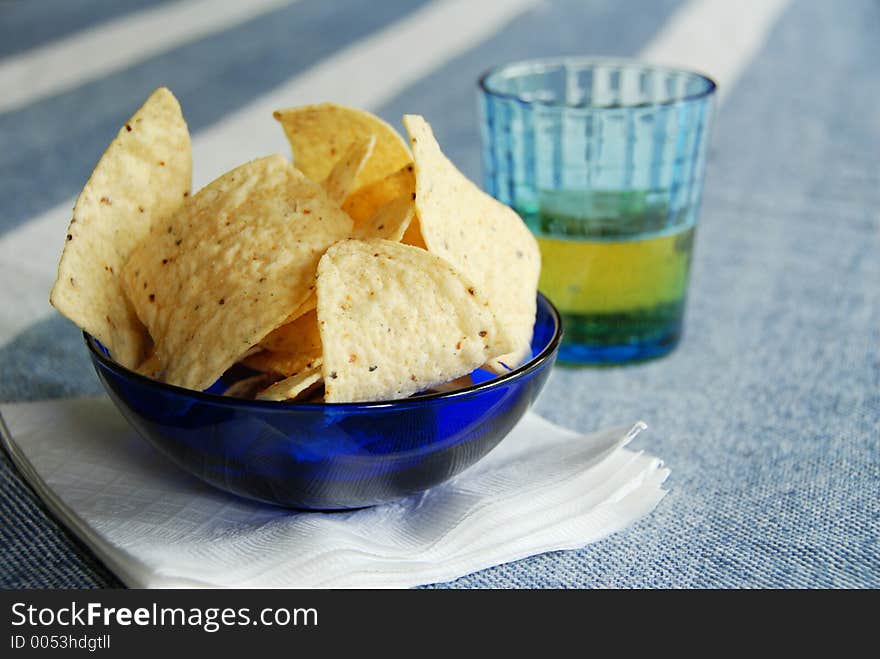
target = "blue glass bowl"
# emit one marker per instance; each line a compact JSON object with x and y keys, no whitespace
{"x":329,"y":456}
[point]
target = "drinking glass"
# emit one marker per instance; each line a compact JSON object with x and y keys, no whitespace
{"x":604,"y":160}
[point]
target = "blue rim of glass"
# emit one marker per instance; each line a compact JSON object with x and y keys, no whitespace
{"x":521,"y":370}
{"x":548,"y":62}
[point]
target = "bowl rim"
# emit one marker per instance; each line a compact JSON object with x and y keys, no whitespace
{"x":520,"y":371}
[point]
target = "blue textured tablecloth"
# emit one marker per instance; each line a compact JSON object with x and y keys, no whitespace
{"x":769,"y":411}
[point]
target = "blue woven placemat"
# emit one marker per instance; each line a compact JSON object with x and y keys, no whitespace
{"x":769,"y":411}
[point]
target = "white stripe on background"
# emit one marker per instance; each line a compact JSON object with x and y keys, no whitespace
{"x":716,"y":37}
{"x":365,"y":74}
{"x":116,"y":45}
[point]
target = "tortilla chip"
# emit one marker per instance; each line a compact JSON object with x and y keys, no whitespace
{"x":227,"y":269}
{"x":296,"y":336}
{"x":248,"y":387}
{"x":340,"y":181}
{"x":318,"y":134}
{"x":310,"y":303}
{"x":390,"y":222}
{"x":453,"y":385}
{"x":290,"y":348}
{"x":363,"y":203}
{"x":253,"y":350}
{"x":483,"y":238}
{"x":151,"y":367}
{"x":141,"y":179}
{"x":395,"y":320}
{"x":280,"y":364}
{"x":291,"y":387}
{"x":413,"y":234}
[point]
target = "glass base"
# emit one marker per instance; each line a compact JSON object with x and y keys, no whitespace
{"x":622,"y":337}
{"x":574,"y":354}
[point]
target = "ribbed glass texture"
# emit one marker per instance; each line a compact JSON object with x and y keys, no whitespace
{"x":602,"y":152}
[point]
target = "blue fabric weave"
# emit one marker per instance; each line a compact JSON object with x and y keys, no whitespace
{"x":768,"y":413}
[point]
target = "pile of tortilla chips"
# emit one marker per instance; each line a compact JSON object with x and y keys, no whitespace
{"x":366,"y":269}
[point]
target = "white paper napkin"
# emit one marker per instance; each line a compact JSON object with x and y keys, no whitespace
{"x":543,"y":488}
